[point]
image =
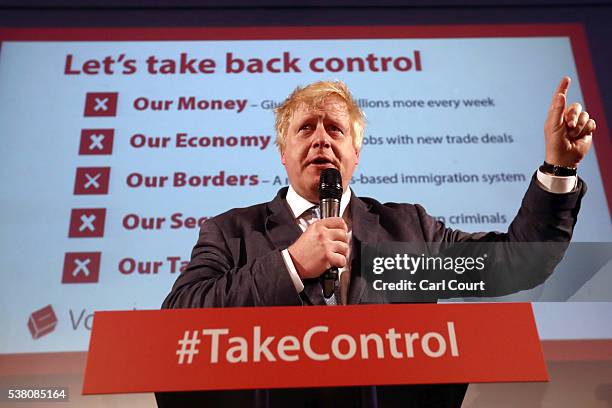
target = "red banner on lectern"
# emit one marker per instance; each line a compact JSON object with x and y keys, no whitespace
{"x":283,"y":347}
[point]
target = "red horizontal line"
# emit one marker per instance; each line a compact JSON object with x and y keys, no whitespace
{"x":289,"y":33}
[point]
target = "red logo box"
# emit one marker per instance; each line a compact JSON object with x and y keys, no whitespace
{"x":81,"y":267}
{"x":87,"y":223}
{"x":42,"y":322}
{"x":101,"y":103}
{"x":91,"y":180}
{"x":96,"y":141}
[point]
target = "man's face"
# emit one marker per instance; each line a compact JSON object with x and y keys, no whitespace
{"x":319,"y":138}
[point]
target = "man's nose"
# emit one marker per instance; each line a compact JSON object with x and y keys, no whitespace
{"x":321,"y":138}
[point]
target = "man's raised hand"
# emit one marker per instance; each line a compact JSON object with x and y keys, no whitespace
{"x":568,"y":131}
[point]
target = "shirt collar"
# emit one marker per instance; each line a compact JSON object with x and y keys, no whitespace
{"x":299,"y":204}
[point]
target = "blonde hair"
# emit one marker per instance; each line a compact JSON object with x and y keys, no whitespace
{"x":314,"y":95}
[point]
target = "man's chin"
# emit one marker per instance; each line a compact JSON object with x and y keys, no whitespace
{"x":312,"y":190}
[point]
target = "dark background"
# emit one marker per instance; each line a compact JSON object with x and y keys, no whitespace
{"x":595,"y":15}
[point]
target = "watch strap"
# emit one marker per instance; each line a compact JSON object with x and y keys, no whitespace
{"x":559,"y":171}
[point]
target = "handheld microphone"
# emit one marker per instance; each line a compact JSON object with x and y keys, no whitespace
{"x":330,"y":192}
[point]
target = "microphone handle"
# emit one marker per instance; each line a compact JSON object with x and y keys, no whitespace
{"x":329,"y":208}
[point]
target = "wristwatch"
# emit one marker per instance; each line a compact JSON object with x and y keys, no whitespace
{"x":560,"y":171}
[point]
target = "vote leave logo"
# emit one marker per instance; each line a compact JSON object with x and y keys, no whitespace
{"x":101,"y":103}
{"x":42,"y":322}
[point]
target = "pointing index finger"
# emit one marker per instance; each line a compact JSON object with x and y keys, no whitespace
{"x":557,"y":105}
{"x":563,"y":86}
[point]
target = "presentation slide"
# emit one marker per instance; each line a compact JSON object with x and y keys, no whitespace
{"x":116,"y":146}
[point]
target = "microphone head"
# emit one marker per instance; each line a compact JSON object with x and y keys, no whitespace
{"x":330,"y":184}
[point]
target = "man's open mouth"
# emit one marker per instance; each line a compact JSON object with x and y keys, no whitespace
{"x":322,"y":161}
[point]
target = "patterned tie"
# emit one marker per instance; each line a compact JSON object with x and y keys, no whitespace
{"x":315,"y":212}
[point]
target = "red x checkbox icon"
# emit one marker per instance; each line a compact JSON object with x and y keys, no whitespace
{"x":42,"y":322}
{"x":101,"y":103}
{"x":96,"y":141}
{"x":91,"y":180}
{"x":81,"y":267}
{"x":87,"y":223}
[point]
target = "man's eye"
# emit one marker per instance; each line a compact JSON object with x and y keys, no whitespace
{"x":306,"y":127}
{"x":334,"y":128}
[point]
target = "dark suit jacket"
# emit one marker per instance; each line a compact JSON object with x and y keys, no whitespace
{"x":237,"y":261}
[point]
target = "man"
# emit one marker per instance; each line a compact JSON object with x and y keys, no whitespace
{"x":273,"y":253}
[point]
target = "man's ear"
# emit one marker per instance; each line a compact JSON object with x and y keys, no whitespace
{"x":282,"y":155}
{"x":357,"y":154}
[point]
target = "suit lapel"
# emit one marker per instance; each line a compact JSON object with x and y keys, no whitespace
{"x":282,"y":230}
{"x":365,"y":230}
